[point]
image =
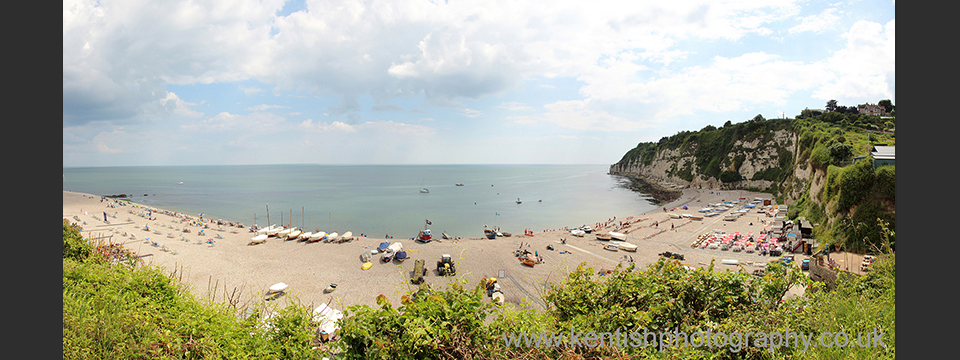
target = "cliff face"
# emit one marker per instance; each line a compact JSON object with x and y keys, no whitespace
{"x":751,"y":159}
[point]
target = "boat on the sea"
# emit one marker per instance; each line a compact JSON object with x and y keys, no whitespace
{"x":459,"y":184}
{"x":423,"y":190}
{"x":518,"y":200}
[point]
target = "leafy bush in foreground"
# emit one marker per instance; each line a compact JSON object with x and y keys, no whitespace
{"x":117,"y":311}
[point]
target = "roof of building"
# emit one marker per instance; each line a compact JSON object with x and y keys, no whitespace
{"x":883,"y":150}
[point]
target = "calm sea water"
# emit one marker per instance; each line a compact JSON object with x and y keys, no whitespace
{"x":376,"y":200}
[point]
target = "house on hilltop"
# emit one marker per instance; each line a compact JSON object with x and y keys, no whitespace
{"x":883,"y":155}
{"x":873,"y":109}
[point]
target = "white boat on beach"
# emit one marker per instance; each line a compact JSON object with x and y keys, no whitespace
{"x":625,"y":246}
{"x":294,"y":233}
{"x":332,"y":236}
{"x":618,"y":236}
{"x":283,"y":233}
{"x":347,"y":236}
{"x":317,"y":236}
{"x":259,"y":239}
{"x":278,"y":287}
{"x":304,"y":236}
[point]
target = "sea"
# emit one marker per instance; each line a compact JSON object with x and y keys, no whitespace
{"x":377,"y":200}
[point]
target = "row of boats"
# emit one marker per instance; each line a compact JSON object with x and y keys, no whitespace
{"x":297,"y":234}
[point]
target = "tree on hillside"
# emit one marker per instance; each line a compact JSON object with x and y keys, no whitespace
{"x":886,"y":104}
{"x":831,"y":105}
{"x":758,"y":118}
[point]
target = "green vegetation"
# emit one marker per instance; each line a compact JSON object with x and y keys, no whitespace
{"x":116,"y":309}
{"x":854,"y":194}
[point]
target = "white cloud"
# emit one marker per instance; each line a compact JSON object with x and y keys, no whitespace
{"x":514,"y":106}
{"x":824,"y":21}
{"x":250,"y":91}
{"x":265,"y":107}
{"x":865,"y":68}
{"x":471,"y":113}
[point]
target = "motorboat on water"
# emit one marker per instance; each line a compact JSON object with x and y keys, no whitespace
{"x":459,"y":184}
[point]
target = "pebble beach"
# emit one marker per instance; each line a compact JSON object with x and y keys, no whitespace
{"x":220,"y":263}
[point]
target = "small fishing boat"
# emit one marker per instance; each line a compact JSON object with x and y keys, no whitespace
{"x":347,"y":236}
{"x":618,"y":236}
{"x":304,"y":236}
{"x":518,"y":200}
{"x":611,"y":247}
{"x":283,"y":233}
{"x":294,"y":233}
{"x":445,"y":236}
{"x":332,"y":237}
{"x":259,"y":239}
{"x":603,"y":236}
{"x":425,"y":235}
{"x":400,"y":256}
{"x":528,"y":260}
{"x":317,"y":236}
{"x":278,"y":287}
{"x":625,"y":246}
{"x":490,"y":234}
{"x":459,"y":184}
{"x":423,"y":190}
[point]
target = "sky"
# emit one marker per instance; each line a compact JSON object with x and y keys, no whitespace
{"x":238,"y":82}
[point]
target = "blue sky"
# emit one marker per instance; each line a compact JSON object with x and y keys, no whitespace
{"x":224,"y":82}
